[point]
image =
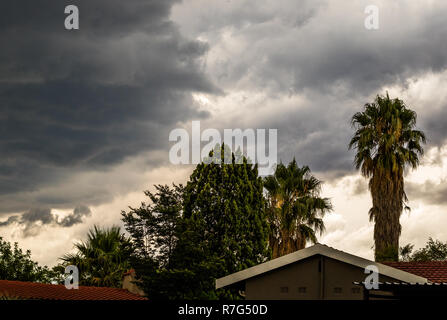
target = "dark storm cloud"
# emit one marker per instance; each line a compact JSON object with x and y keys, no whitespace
{"x":316,"y":133}
{"x":332,"y":52}
{"x":428,"y":192}
{"x":86,"y":99}
{"x":38,"y":214}
{"x":332,"y":61}
{"x":82,"y":101}
{"x":76,"y":217}
{"x":243,"y":13}
{"x":33,"y":219}
{"x":435,"y":126}
{"x":9,"y":221}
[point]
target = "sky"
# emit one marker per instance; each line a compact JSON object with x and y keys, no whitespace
{"x":85,"y":115}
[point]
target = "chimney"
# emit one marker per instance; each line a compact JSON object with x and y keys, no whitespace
{"x":129,"y":284}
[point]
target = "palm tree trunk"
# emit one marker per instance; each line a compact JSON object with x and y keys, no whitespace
{"x":387,"y":194}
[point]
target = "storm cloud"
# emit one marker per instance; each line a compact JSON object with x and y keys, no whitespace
{"x":85,"y":114}
{"x":428,"y":192}
{"x":33,"y":219}
{"x":321,"y":52}
{"x":79,"y":100}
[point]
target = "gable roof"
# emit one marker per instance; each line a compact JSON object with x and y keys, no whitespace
{"x":434,"y":271}
{"x":43,"y":291}
{"x":315,"y":250}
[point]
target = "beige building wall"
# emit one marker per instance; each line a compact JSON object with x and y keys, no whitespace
{"x":316,"y":277}
{"x":297,"y":277}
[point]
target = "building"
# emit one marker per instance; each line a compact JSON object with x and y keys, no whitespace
{"x":318,"y":272}
{"x":40,"y":291}
{"x":130,"y":283}
{"x":434,"y":271}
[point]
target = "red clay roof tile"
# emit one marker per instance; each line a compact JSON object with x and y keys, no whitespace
{"x":41,"y":291}
{"x":434,"y":271}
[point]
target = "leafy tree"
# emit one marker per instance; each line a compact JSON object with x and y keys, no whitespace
{"x":295,"y":209}
{"x":18,"y":265}
{"x":103,"y":258}
{"x":186,"y":237}
{"x":386,"y":144}
{"x":153,"y":226}
{"x":224,"y":228}
{"x":154,"y":232}
{"x":405,"y":252}
{"x":434,"y":250}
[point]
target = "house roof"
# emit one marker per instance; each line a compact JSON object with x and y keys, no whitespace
{"x":434,"y":271}
{"x":42,"y":291}
{"x":405,"y":284}
{"x":317,"y":249}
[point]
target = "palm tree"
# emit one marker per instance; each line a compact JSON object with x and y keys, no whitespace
{"x":386,"y":144}
{"x":102,"y":259}
{"x":295,"y":210}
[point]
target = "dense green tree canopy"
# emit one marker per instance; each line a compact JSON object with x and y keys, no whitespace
{"x":18,"y":265}
{"x":187,"y":237}
{"x":434,"y":250}
{"x":226,"y":201}
{"x":153,"y":225}
{"x":154,"y":233}
{"x":225,"y":227}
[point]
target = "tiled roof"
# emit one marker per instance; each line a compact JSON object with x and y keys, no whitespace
{"x":434,"y":271}
{"x":41,"y":291}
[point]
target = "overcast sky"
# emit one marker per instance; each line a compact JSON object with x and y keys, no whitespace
{"x":85,"y":114}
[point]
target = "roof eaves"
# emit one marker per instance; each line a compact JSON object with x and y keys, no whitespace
{"x":311,"y":251}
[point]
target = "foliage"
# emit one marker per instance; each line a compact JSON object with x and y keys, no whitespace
{"x":18,"y":265}
{"x":225,"y":228}
{"x":154,"y":233}
{"x":386,"y":144}
{"x":434,"y":250}
{"x":295,"y":209}
{"x":187,"y":237}
{"x":405,"y":252}
{"x":153,"y":226}
{"x":102,"y":259}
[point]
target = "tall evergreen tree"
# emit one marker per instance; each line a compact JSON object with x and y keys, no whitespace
{"x":187,"y":237}
{"x":154,"y":232}
{"x":153,"y":225}
{"x":225,"y":227}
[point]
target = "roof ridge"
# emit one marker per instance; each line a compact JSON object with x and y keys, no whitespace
{"x":320,"y":249}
